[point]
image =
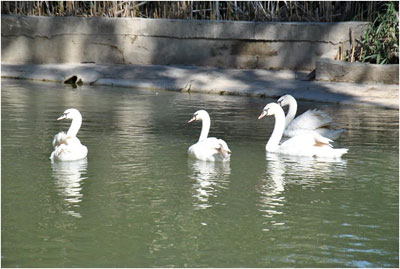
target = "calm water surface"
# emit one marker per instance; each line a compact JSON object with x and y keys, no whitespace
{"x":138,"y":201}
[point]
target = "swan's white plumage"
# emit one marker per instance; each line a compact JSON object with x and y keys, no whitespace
{"x":59,"y":139}
{"x":311,"y":120}
{"x":208,"y":148}
{"x":67,"y":146}
{"x":305,"y":144}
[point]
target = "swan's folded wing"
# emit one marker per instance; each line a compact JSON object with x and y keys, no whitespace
{"x":311,"y":120}
{"x":311,"y":144}
{"x":210,"y":149}
{"x":306,"y":140}
{"x":216,"y":143}
{"x":321,"y":141}
{"x":71,"y":149}
{"x":62,"y":139}
{"x":59,"y":139}
{"x":223,"y":147}
{"x":219,"y":145}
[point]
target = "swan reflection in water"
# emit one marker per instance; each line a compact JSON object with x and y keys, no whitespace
{"x":210,"y":178}
{"x":68,"y":178}
{"x":282,"y":170}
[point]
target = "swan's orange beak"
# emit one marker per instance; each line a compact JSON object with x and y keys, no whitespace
{"x":62,"y":117}
{"x":262,"y":115}
{"x":192,"y":120}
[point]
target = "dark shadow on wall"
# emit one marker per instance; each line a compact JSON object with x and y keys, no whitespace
{"x":58,"y":40}
{"x":242,"y":44}
{"x":246,"y":53}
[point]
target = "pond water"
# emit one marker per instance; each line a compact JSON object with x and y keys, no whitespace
{"x":138,"y":201}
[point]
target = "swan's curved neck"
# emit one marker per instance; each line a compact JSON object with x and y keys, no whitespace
{"x":276,"y":136}
{"x":75,"y":126}
{"x":205,"y":127}
{"x":291,"y":112}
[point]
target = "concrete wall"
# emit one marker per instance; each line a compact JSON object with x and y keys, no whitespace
{"x":294,"y":46}
{"x":340,"y":71}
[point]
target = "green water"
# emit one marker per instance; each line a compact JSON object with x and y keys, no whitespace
{"x":138,"y":201}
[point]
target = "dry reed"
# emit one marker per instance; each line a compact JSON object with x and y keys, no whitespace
{"x":290,"y":11}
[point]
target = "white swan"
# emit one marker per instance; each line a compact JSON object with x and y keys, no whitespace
{"x":311,"y":120}
{"x":305,"y":144}
{"x":67,"y":146}
{"x":208,"y":148}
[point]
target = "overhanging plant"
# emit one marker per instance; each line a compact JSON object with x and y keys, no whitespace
{"x":379,"y":43}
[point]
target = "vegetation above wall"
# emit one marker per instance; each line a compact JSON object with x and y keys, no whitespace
{"x":289,"y":11}
{"x":380,"y":41}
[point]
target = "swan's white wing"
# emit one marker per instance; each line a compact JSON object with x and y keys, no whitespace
{"x":311,"y":120}
{"x":310,"y":144}
{"x":223,"y":147}
{"x":314,"y":120}
{"x":68,"y":149}
{"x":330,"y":133}
{"x":62,"y":138}
{"x":304,"y":144}
{"x":309,"y":139}
{"x":59,"y":139}
{"x":210,"y":149}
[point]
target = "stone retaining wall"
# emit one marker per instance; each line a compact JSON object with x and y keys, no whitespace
{"x":295,"y":46}
{"x":340,"y":71}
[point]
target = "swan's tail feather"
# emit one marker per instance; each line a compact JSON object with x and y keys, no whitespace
{"x":322,"y":141}
{"x":223,"y":148}
{"x":320,"y":144}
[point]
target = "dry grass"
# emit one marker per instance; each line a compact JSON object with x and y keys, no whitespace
{"x":289,"y":11}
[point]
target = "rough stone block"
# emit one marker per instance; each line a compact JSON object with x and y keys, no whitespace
{"x":330,"y":70}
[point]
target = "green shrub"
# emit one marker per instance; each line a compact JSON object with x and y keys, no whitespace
{"x":380,"y":41}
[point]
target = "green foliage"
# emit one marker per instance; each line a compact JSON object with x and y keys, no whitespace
{"x":380,"y":41}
